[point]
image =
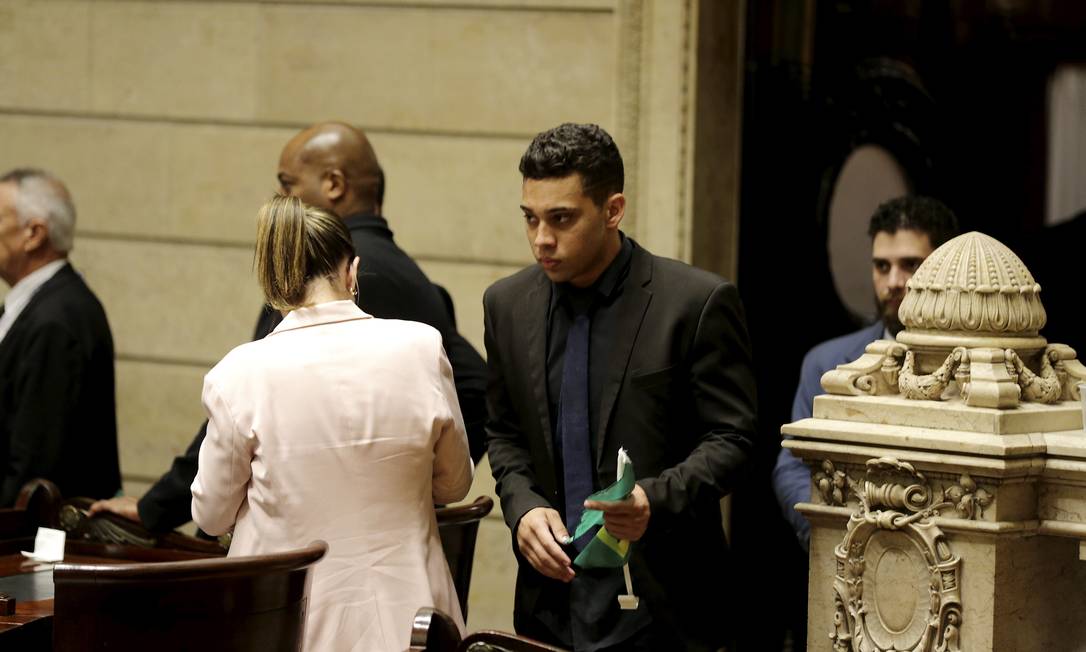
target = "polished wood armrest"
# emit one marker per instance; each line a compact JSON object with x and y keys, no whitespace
{"x":35,"y":506}
{"x":467,"y":513}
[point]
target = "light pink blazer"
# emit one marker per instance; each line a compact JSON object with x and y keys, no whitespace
{"x":342,"y":427}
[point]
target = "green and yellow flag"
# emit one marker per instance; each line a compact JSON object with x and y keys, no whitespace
{"x":604,"y":550}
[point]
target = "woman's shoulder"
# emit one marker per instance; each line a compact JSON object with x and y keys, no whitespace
{"x":239,"y":360}
{"x":402,"y":328}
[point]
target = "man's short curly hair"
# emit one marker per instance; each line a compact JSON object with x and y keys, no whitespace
{"x":585,"y":149}
{"x":916,"y":213}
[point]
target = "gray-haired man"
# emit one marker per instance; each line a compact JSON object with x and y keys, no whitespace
{"x":57,"y":412}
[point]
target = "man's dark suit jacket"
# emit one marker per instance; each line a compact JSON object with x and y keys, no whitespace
{"x":57,"y":412}
{"x":390,"y":285}
{"x":679,"y":397}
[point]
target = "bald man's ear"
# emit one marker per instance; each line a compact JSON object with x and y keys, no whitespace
{"x":334,"y":185}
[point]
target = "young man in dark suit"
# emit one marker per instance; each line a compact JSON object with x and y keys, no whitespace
{"x":332,"y":165}
{"x":57,"y":412}
{"x":603,"y":345}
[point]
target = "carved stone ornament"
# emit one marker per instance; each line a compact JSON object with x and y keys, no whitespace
{"x":897,"y":585}
{"x":972,"y":314}
{"x":929,"y":387}
{"x":832,"y":484}
{"x":973,"y":284}
{"x":1069,"y":370}
{"x":968,"y":499}
{"x":875,"y":373}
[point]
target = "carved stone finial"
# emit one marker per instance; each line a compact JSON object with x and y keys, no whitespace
{"x":973,"y":284}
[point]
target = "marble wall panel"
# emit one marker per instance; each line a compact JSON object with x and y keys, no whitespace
{"x":158,"y":180}
{"x":450,"y":69}
{"x":1040,"y":588}
{"x":158,"y":414}
{"x":168,"y":302}
{"x":44,"y":55}
{"x":455,"y":198}
{"x":176,"y":59}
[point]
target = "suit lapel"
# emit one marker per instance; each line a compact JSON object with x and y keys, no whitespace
{"x":532,"y":316}
{"x":632,"y":305}
{"x":62,"y":277}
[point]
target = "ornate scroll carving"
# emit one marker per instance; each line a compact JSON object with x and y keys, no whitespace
{"x":898,"y":584}
{"x":931,"y":386}
{"x":875,"y":373}
{"x":832,"y":484}
{"x":969,"y":500}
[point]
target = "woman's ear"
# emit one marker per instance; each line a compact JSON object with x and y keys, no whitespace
{"x":352,"y":275}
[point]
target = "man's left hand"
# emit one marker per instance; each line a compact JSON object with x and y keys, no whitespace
{"x":625,"y":519}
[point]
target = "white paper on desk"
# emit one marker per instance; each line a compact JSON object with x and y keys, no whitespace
{"x":48,"y":545}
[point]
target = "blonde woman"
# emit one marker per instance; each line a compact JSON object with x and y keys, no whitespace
{"x":336,"y":426}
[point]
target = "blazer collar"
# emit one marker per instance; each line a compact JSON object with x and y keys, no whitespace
{"x":531,"y":311}
{"x":46,"y":281}
{"x":322,"y":313}
{"x":632,"y":306}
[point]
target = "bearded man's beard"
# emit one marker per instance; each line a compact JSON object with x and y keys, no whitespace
{"x":887,"y":309}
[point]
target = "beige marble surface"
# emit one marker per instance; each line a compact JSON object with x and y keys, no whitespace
{"x":1021,"y":578}
{"x":950,"y":414}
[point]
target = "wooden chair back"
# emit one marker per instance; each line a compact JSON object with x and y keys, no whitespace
{"x":235,"y":603}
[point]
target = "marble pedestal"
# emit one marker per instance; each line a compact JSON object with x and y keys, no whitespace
{"x":940,"y":526}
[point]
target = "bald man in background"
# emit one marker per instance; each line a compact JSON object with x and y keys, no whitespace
{"x":332,"y":166}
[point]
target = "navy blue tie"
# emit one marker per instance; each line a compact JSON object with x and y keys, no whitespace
{"x":573,"y":421}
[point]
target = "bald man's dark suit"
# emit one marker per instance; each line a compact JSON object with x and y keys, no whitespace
{"x":678,"y":395}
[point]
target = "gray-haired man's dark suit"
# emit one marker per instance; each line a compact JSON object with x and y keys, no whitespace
{"x":678,"y":395}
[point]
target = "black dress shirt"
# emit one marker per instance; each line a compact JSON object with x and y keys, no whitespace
{"x":566,"y":302}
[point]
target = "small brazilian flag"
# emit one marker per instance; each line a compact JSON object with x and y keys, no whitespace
{"x":604,"y":550}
